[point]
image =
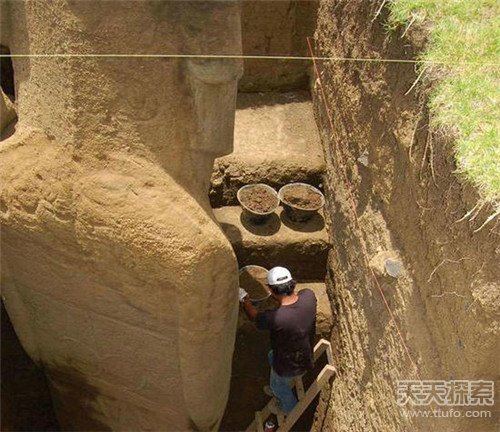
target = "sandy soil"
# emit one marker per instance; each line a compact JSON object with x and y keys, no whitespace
{"x":254,"y":281}
{"x":302,"y":197}
{"x":259,"y":199}
{"x":410,"y":203}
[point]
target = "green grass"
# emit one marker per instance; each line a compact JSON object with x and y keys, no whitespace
{"x":465,"y":36}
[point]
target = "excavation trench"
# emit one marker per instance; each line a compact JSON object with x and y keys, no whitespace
{"x":402,"y":280}
{"x":250,"y":371}
{"x":303,"y":247}
{"x":276,"y":142}
{"x":263,"y":155}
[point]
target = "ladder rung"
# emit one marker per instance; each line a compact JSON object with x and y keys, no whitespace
{"x":322,"y":346}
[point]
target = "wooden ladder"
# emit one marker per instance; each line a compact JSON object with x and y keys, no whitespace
{"x":304,"y":397}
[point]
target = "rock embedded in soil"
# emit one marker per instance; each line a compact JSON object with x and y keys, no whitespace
{"x":259,"y":199}
{"x":302,"y":197}
{"x":393,"y":267}
{"x":254,"y":281}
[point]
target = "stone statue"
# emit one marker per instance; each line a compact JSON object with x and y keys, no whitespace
{"x":115,"y":274}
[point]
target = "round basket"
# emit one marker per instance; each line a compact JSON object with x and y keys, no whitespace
{"x":259,"y":298}
{"x":254,"y":215}
{"x":293,"y":211}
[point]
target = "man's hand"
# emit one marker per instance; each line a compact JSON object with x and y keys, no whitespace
{"x":250,"y":310}
{"x":243,"y":295}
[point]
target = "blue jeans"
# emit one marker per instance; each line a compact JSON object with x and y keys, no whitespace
{"x":282,"y":388}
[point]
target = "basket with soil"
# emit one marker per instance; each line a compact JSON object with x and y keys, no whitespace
{"x":253,"y":279}
{"x":259,"y":201}
{"x":301,"y":201}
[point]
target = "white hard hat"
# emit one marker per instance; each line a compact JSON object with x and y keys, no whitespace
{"x":278,"y":276}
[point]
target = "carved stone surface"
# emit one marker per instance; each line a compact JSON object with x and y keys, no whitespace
{"x":276,"y":28}
{"x":115,"y":274}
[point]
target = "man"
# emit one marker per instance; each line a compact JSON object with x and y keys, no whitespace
{"x":292,"y":326}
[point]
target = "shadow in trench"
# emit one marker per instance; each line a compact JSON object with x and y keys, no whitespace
{"x":25,"y":397}
{"x":7,"y":73}
{"x":250,"y":374}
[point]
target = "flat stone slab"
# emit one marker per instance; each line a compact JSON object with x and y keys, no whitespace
{"x":276,"y":142}
{"x":301,"y":247}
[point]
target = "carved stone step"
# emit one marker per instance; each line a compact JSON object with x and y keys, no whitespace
{"x":275,"y":142}
{"x":303,"y":248}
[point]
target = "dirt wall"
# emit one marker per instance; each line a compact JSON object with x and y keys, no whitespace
{"x":280,"y":28}
{"x":409,"y":203}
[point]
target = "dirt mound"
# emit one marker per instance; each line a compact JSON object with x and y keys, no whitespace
{"x":254,"y":281}
{"x":258,"y":199}
{"x":302,"y":197}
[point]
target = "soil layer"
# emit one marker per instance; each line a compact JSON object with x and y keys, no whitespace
{"x":302,"y":197}
{"x":259,"y":199}
{"x":279,"y":28}
{"x":276,"y":142}
{"x":406,"y":203}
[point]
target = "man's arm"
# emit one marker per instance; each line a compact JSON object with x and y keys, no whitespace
{"x":249,"y":309}
{"x":259,"y":318}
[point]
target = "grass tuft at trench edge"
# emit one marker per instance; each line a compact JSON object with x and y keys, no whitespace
{"x":466,"y":99}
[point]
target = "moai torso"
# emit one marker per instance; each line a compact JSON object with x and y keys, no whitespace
{"x":115,"y":274}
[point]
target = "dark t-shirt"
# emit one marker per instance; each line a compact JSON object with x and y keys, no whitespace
{"x":292,"y":330}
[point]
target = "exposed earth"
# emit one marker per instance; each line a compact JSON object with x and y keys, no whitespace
{"x":259,"y":199}
{"x":91,"y":231}
{"x":253,"y":280}
{"x":302,"y":197}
